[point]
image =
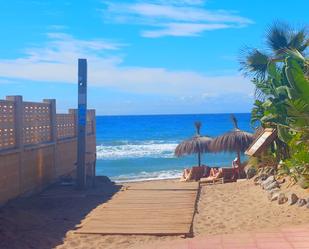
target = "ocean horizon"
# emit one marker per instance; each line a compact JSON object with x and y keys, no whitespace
{"x":141,"y":147}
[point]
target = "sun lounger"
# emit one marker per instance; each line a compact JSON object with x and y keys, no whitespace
{"x":195,"y":173}
{"x":225,"y":175}
{"x":213,"y":177}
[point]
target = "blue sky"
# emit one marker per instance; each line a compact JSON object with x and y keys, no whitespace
{"x":144,"y":57}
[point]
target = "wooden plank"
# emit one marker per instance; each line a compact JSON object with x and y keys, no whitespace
{"x":165,"y":186}
{"x":147,"y":208}
{"x":261,"y":142}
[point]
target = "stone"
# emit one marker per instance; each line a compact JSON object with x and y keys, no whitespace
{"x":251,"y":172}
{"x":282,"y":199}
{"x":307,"y":206}
{"x":256,"y":179}
{"x":292,"y":199}
{"x":263,"y":177}
{"x":259,"y":182}
{"x":301,"y":202}
{"x":281,"y":181}
{"x":273,"y":195}
{"x":303,"y":182}
{"x":268,"y":181}
{"x":272,"y":186}
{"x":274,"y":190}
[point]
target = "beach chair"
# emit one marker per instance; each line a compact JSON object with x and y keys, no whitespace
{"x":226,"y":175}
{"x":218,"y":178}
{"x":195,"y":173}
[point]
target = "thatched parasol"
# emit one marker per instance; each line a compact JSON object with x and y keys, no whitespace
{"x":233,"y":141}
{"x":195,"y":145}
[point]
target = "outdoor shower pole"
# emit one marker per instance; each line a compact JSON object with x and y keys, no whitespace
{"x":81,"y":123}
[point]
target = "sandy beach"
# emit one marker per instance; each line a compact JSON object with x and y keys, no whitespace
{"x":48,"y":220}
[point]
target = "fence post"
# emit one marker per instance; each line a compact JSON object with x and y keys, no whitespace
{"x":19,"y":134}
{"x":82,"y":123}
{"x":18,"y":122}
{"x":74,"y":112}
{"x":53,"y":118}
{"x":53,"y":129}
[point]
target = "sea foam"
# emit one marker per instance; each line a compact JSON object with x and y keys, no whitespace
{"x":147,"y":149}
{"x":147,"y":176}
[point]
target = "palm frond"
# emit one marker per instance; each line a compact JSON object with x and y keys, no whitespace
{"x":299,"y":41}
{"x":278,"y":37}
{"x":263,"y":89}
{"x":253,"y":62}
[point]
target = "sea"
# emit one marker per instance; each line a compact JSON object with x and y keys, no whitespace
{"x":138,"y":148}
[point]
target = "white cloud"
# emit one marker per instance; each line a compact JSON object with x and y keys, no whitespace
{"x":183,"y":29}
{"x":181,"y":2}
{"x":56,"y":62}
{"x":172,"y":18}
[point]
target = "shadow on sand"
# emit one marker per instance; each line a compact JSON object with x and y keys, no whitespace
{"x":42,"y":221}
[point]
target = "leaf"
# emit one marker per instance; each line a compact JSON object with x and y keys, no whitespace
{"x":296,"y":78}
{"x":298,"y":40}
{"x":269,"y":118}
{"x":283,"y":134}
{"x":274,"y":73}
{"x":277,"y":36}
{"x":287,"y":91}
{"x":254,"y":62}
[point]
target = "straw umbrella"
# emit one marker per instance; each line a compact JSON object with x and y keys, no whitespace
{"x":195,"y":145}
{"x":233,"y":141}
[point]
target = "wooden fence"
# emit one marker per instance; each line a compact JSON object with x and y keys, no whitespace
{"x":37,"y":146}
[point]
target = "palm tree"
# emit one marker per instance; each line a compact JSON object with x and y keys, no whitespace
{"x":280,"y":40}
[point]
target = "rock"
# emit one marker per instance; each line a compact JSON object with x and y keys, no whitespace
{"x":292,"y":199}
{"x":259,"y":178}
{"x":307,"y":206}
{"x":303,"y":182}
{"x":268,"y":181}
{"x":281,"y":181}
{"x":256,"y":179}
{"x":274,"y":190}
{"x":301,"y":202}
{"x":251,"y":172}
{"x":272,"y":171}
{"x":282,"y":198}
{"x":274,"y":194}
{"x":263,"y":177}
{"x":272,"y":186}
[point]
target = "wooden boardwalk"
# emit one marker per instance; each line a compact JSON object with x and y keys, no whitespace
{"x":148,"y":208}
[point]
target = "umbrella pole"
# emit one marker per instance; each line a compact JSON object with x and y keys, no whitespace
{"x":238,"y":158}
{"x":199,"y":158}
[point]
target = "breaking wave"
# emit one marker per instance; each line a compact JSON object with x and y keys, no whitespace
{"x":147,"y":176}
{"x":152,"y":149}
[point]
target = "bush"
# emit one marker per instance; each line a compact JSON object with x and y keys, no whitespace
{"x":297,"y":166}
